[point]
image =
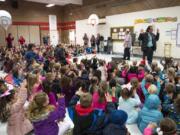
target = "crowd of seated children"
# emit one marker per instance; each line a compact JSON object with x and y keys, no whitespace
{"x":100,"y":98}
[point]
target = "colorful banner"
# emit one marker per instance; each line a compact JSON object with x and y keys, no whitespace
{"x":156,"y":20}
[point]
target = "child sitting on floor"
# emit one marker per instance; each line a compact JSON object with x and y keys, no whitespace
{"x":167,"y":127}
{"x":99,"y":100}
{"x":117,"y":124}
{"x":173,"y":111}
{"x":33,"y":86}
{"x":169,"y":94}
{"x":150,"y":88}
{"x":12,"y":111}
{"x":132,"y":72}
{"x":47,"y":87}
{"x":88,"y":121}
{"x":129,"y":105}
{"x":150,"y":112}
{"x":44,"y":116}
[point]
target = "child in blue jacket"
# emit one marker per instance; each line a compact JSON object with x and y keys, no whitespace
{"x":150,"y":112}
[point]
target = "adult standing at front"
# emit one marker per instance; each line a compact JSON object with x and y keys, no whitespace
{"x":98,"y":42}
{"x":149,"y":40}
{"x":101,"y":46}
{"x":21,"y":41}
{"x":86,"y":40}
{"x":9,"y":40}
{"x":127,"y":45}
{"x":109,"y":45}
{"x":140,"y":37}
{"x":93,"y":42}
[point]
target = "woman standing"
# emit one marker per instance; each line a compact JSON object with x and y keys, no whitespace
{"x":93,"y":41}
{"x":9,"y":41}
{"x":21,"y":41}
{"x":86,"y":40}
{"x":127,"y":45}
{"x":98,"y":42}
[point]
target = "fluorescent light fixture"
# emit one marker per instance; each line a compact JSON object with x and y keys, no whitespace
{"x":2,"y":0}
{"x":50,"y":5}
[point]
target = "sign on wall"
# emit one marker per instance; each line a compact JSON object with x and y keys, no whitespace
{"x":156,"y":20}
{"x":118,"y":33}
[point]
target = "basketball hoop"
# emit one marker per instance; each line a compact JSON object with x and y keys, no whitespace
{"x":5,"y":19}
{"x":93,"y":20}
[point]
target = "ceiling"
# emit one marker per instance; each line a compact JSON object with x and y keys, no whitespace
{"x":58,"y":2}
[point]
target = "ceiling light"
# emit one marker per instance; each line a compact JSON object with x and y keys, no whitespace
{"x":2,"y":0}
{"x":50,"y":5}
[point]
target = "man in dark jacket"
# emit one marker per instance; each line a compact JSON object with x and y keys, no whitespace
{"x":149,"y":40}
{"x":98,"y":42}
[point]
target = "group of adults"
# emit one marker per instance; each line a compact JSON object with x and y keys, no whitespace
{"x":147,"y":39}
{"x":22,"y":41}
{"x":10,"y":39}
{"x":96,"y":42}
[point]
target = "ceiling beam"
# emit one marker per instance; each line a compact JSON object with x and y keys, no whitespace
{"x":78,"y":2}
{"x":58,"y":2}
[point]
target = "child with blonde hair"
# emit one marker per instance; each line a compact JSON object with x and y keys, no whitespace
{"x":171,"y":75}
{"x":152,"y":89}
{"x":33,"y":85}
{"x":44,"y":116}
{"x":148,"y":86}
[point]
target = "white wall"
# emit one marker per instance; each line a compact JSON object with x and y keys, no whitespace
{"x":83,"y":27}
{"x":128,"y":20}
{"x":30,"y":33}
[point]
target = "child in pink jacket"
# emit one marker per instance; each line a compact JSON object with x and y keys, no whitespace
{"x":99,"y":100}
{"x":12,"y":111}
{"x":166,"y":127}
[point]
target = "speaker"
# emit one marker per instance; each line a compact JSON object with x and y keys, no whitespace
{"x":14,"y":4}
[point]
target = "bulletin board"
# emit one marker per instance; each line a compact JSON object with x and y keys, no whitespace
{"x":178,"y":35}
{"x":118,"y":33}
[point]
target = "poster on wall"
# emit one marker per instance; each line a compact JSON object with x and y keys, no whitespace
{"x":118,"y":33}
{"x":178,"y":35}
